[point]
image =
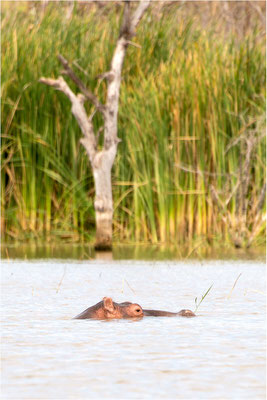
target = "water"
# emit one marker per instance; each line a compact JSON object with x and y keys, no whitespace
{"x":218,"y":355}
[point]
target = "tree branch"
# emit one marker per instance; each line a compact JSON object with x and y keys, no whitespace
{"x":139,"y":12}
{"x":79,"y":113}
{"x":261,"y":200}
{"x":125,"y":29}
{"x":129,"y":23}
{"x":89,"y":95}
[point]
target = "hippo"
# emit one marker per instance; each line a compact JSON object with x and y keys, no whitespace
{"x":159,"y":313}
{"x":108,"y":309}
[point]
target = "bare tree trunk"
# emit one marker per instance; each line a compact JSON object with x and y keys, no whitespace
{"x":102,"y":160}
{"x":103,"y":197}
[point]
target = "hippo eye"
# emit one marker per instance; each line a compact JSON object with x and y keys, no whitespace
{"x":138,"y":310}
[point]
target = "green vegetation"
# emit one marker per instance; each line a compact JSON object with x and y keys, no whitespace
{"x":187,"y":94}
{"x":202,"y":298}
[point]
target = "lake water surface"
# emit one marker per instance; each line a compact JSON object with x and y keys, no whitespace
{"x":218,"y":355}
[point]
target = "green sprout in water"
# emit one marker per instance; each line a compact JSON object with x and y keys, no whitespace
{"x":202,"y":298}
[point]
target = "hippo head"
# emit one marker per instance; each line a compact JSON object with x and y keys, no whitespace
{"x":123,"y":310}
{"x":132,"y":310}
{"x":186,"y":313}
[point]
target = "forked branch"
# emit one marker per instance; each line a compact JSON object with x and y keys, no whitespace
{"x":89,"y":95}
{"x":78,"y":111}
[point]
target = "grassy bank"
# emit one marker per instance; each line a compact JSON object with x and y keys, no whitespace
{"x":190,"y":99}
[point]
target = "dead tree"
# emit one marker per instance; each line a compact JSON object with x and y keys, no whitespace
{"x":248,"y":218}
{"x":102,"y":160}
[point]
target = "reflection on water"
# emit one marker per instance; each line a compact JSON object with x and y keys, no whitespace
{"x":218,"y":355}
{"x":199,"y":250}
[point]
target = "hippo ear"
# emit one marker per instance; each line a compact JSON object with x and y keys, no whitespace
{"x":108,"y":304}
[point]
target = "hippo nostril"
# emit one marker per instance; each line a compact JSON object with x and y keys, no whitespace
{"x":138,"y":310}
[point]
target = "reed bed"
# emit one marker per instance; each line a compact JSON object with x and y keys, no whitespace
{"x":187,"y":94}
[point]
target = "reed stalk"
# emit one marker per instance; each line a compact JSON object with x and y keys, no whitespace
{"x":187,"y":94}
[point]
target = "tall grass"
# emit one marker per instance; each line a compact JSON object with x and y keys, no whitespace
{"x":186,"y":94}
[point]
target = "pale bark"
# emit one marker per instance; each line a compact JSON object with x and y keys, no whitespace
{"x":102,"y":160}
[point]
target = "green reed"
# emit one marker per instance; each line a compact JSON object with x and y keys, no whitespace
{"x":202,"y":298}
{"x":185,"y":95}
